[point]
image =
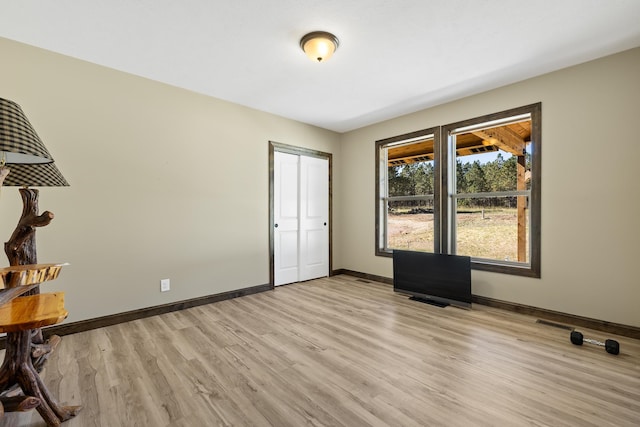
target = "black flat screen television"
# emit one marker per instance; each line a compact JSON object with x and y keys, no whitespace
{"x":439,"y":278}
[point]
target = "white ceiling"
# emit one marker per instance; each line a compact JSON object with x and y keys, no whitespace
{"x":395,"y":56}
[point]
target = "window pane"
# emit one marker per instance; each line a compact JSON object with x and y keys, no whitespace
{"x":413,"y":179}
{"x":488,"y":228}
{"x":410,"y":225}
{"x":489,"y":160}
{"x":493,"y":159}
{"x":410,"y":175}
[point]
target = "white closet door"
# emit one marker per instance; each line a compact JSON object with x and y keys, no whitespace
{"x":314,"y":217}
{"x":301,"y":214}
{"x":286,"y":216}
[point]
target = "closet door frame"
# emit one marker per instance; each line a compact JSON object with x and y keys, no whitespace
{"x":291,"y":149}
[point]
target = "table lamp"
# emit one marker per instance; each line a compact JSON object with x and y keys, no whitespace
{"x":25,"y":162}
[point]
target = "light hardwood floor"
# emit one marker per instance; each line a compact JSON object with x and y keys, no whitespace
{"x":340,"y":352}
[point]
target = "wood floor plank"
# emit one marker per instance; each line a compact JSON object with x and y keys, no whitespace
{"x":340,"y":352}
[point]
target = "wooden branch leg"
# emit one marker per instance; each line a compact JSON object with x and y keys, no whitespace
{"x":18,"y":364}
{"x":28,"y":380}
{"x":6,"y":376}
{"x":8,"y":370}
{"x":63,"y":413}
{"x":40,"y":352}
{"x":19,"y":403}
{"x":36,"y":336}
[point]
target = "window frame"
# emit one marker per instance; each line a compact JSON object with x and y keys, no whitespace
{"x":443,"y":201}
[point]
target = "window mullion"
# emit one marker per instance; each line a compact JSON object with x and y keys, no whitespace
{"x":452,"y":203}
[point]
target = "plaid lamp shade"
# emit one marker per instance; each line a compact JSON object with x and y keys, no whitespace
{"x":19,"y":142}
{"x":36,"y":175}
{"x":28,"y":160}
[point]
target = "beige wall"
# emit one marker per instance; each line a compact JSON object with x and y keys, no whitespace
{"x":165,"y":183}
{"x":590,"y":190}
{"x":168,"y":183}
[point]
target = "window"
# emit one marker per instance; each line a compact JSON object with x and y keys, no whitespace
{"x":467,"y":188}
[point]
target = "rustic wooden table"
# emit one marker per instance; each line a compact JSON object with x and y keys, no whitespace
{"x":19,"y":316}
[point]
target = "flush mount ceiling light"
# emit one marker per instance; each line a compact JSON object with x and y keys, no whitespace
{"x":319,"y":45}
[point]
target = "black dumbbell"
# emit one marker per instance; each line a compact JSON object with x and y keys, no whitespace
{"x":611,"y":346}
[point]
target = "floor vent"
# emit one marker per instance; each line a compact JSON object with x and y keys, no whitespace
{"x":555,"y":325}
{"x":362,"y":280}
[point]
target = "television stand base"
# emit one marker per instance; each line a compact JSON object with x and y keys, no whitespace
{"x":429,"y":301}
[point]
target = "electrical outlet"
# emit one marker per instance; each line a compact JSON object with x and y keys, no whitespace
{"x":165,"y":285}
